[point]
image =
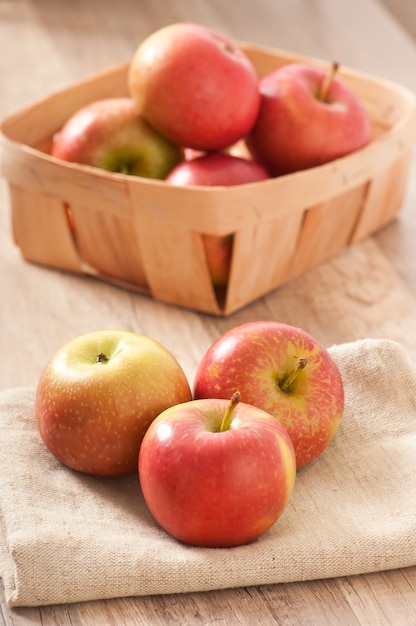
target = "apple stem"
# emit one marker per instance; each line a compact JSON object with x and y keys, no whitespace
{"x":326,"y":83}
{"x":101,"y":358}
{"x":286,"y":383}
{"x":226,"y":420}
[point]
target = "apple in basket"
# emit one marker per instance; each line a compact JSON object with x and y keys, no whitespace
{"x":308,"y":116}
{"x":195,"y":86}
{"x":216,"y":473}
{"x":111,"y":134}
{"x":217,"y":169}
{"x":98,"y":394}
{"x":282,"y":370}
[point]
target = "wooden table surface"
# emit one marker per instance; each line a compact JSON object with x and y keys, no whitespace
{"x":367,"y":291}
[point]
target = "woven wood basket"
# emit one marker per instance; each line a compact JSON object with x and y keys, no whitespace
{"x":146,"y":235}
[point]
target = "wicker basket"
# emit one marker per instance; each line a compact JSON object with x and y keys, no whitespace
{"x":146,"y":235}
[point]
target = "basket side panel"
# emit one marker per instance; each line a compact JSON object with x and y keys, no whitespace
{"x":42,"y":231}
{"x":327,"y":229}
{"x":175,"y":264}
{"x":262,"y":259}
{"x":107,"y":244}
{"x":384,"y":198}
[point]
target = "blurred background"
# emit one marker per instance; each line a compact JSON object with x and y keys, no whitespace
{"x":62,"y":17}
{"x":405,"y":12}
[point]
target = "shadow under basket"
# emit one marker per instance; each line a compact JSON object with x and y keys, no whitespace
{"x":147,"y":236}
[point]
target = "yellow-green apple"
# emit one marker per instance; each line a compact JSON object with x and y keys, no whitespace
{"x":216,"y":473}
{"x":283,"y":370}
{"x":98,"y":394}
{"x":307,"y":117}
{"x":195,"y":86}
{"x":112,"y":135}
{"x":212,"y":170}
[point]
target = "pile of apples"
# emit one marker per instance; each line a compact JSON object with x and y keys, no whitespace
{"x":195,"y":95}
{"x":216,"y":464}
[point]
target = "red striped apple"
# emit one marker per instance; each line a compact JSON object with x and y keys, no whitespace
{"x":98,"y":394}
{"x":307,"y":117}
{"x":111,"y":134}
{"x":282,"y":370}
{"x":195,"y":86}
{"x":216,"y":473}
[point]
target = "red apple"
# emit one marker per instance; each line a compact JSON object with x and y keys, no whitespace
{"x":307,"y":117}
{"x":195,"y":86}
{"x":217,"y":169}
{"x":212,"y":170}
{"x":98,"y":394}
{"x":282,"y":370}
{"x":111,"y":134}
{"x":216,"y":473}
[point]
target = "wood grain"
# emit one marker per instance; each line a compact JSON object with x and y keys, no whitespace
{"x":369,"y":290}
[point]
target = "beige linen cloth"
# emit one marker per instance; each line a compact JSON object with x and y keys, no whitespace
{"x":66,"y":537}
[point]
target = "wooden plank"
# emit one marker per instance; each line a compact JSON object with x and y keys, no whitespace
{"x":42,"y":230}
